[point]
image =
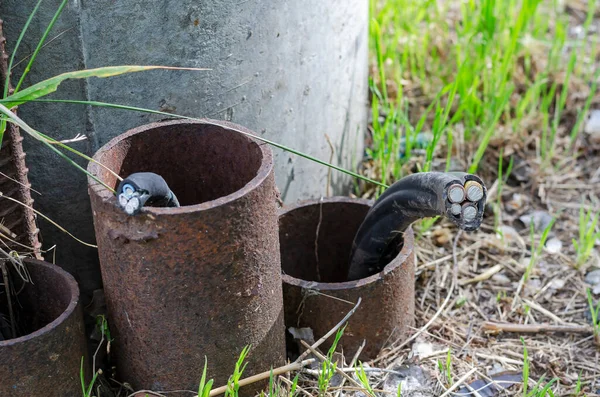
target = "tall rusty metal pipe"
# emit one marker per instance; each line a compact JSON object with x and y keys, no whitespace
{"x":316,"y":240}
{"x":199,"y":280}
{"x":46,"y":361}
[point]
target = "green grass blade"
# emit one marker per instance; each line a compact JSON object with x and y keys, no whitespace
{"x":78,"y":153}
{"x":25,"y":127}
{"x":50,"y":85}
{"x":41,"y":43}
{"x":17,"y":45}
{"x":267,"y":141}
{"x":11,"y":61}
{"x":82,"y":377}
{"x":490,"y":131}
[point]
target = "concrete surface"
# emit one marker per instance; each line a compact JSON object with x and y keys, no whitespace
{"x":292,"y":71}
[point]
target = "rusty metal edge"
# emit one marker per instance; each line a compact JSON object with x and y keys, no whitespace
{"x":74,"y":290}
{"x":261,"y":175}
{"x":407,"y":249}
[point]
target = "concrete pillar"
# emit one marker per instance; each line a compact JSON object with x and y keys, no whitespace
{"x":292,"y":71}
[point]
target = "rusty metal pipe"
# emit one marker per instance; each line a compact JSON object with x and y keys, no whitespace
{"x":45,"y":361}
{"x":459,"y":197}
{"x":316,"y":238}
{"x":202,"y":279}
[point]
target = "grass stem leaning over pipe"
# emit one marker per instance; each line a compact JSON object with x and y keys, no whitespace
{"x":216,"y":123}
{"x":459,"y":197}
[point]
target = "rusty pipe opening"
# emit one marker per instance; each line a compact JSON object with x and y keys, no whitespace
{"x":46,"y":359}
{"x":316,"y":238}
{"x":41,"y":309}
{"x":459,"y":197}
{"x":199,"y":162}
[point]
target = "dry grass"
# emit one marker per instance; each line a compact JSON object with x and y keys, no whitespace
{"x":490,"y":269}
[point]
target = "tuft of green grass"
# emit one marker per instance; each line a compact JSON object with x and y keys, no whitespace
{"x":445,"y":368}
{"x":468,"y":71}
{"x":233,"y":384}
{"x":588,"y":234}
{"x":86,"y":390}
{"x":538,"y":390}
{"x":363,"y":378}
{"x":424,"y":225}
{"x":578,"y":385}
{"x":294,"y":386}
{"x":328,"y":366}
{"x":594,"y":312}
{"x":502,"y":178}
{"x":537,"y":250}
{"x":204,"y":387}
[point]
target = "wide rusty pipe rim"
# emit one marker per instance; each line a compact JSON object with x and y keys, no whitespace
{"x":73,"y":289}
{"x":398,"y":261}
{"x":266,"y":165}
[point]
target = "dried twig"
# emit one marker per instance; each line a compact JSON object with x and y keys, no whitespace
{"x":536,"y":328}
{"x":352,"y":363}
{"x":459,"y":382}
{"x":331,"y":331}
{"x":290,"y":383}
{"x":436,"y":315}
{"x":337,"y":369}
{"x":483,"y":276}
{"x":7,"y":230}
{"x":264,"y":375}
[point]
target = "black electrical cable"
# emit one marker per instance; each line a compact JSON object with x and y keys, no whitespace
{"x":458,"y":196}
{"x":144,"y":189}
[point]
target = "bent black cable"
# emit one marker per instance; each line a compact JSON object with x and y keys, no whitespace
{"x":459,"y":197}
{"x":144,"y":189}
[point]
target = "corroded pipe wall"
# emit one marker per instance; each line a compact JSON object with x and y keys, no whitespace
{"x":200,"y":280}
{"x":318,"y":235}
{"x":46,"y":361}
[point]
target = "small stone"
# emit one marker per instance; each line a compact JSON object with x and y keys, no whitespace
{"x":306,"y":334}
{"x":421,"y":349}
{"x":557,"y":283}
{"x":510,"y":235}
{"x":592,"y":126}
{"x":413,"y":381}
{"x":532,"y":287}
{"x":500,"y":278}
{"x":541,"y":220}
{"x":516,"y":202}
{"x":553,"y":245}
{"x":593,"y":277}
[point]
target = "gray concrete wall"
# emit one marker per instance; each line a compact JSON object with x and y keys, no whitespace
{"x":292,"y":71}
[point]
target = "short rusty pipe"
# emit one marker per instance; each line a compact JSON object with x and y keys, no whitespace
{"x":316,"y":239}
{"x":201,"y":279}
{"x":46,"y":360}
{"x":459,"y":197}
